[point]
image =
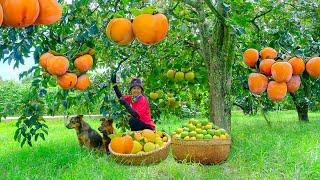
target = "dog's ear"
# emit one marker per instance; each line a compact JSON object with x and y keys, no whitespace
{"x":110,"y":121}
{"x":80,"y":116}
{"x":84,"y":125}
{"x":102,"y":119}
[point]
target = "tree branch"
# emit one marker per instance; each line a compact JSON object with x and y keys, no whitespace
{"x":116,"y":5}
{"x":261,"y":14}
{"x":191,"y":3}
{"x":253,"y":20}
{"x":215,"y":11}
{"x":192,"y":20}
{"x":211,"y":7}
{"x":174,"y":7}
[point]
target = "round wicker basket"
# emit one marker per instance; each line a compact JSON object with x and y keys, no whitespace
{"x":201,"y":151}
{"x":143,"y":159}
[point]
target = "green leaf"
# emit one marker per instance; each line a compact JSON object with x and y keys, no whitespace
{"x":36,"y":137}
{"x":30,"y":144}
{"x":149,"y":10}
{"x":16,"y":134}
{"x":23,"y":141}
{"x":42,"y":136}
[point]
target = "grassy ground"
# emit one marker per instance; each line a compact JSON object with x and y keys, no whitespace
{"x":287,"y":150}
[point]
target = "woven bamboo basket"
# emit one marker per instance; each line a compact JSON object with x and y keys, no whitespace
{"x":201,"y":151}
{"x":143,"y":159}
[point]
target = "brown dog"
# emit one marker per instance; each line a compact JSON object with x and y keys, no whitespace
{"x":87,"y":136}
{"x":106,"y":129}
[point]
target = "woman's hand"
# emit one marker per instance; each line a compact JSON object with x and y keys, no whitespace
{"x":122,"y":100}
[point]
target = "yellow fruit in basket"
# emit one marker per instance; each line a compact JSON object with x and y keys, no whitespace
{"x":159,"y":134}
{"x":191,"y":127}
{"x":203,"y":123}
{"x":217,"y":132}
{"x":223,"y":137}
{"x":227,"y":135}
{"x":184,"y":134}
{"x":193,"y":138}
{"x":149,"y":135}
{"x":193,"y":121}
{"x":165,"y":139}
{"x":199,"y":136}
{"x":157,"y":146}
{"x":199,"y":125}
{"x":137,"y":147}
{"x":204,"y":132}
{"x":149,"y":146}
{"x":178,"y":137}
{"x":192,"y":133}
{"x":198,"y":130}
{"x":215,"y":137}
{"x":222,"y":131}
{"x":137,"y":136}
{"x":208,"y":126}
{"x":163,"y":144}
{"x":186,"y":138}
{"x":140,"y":152}
{"x":158,"y":141}
{"x":179,"y":130}
{"x":210,"y":131}
{"x":207,"y":136}
{"x":158,"y":138}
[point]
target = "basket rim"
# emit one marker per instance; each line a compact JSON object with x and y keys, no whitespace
{"x":203,"y":142}
{"x":144,"y":154}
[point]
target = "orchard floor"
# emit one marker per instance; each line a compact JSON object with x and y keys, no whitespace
{"x":287,"y":150}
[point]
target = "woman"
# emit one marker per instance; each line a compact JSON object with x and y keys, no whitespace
{"x":137,"y":105}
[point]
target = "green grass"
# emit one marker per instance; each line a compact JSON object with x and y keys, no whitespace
{"x":287,"y":150}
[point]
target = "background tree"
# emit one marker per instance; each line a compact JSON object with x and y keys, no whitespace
{"x":289,"y":28}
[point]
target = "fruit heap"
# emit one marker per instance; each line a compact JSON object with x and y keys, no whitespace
{"x":147,"y":28}
{"x":180,"y":75}
{"x":200,"y":130}
{"x":138,"y":142}
{"x":23,"y":13}
{"x":58,"y":65}
{"x":277,"y":77}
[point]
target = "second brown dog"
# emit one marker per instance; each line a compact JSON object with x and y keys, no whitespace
{"x":106,"y":129}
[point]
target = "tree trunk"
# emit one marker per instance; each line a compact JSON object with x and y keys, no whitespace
{"x":303,"y":113}
{"x":217,"y":48}
{"x":302,"y":108}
